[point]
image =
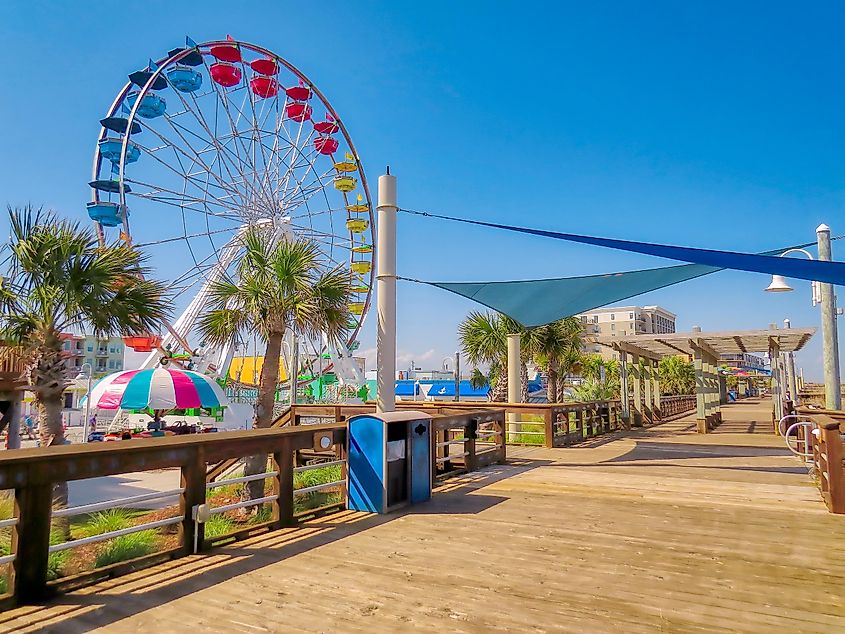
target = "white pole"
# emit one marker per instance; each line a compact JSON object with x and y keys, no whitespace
{"x":514,"y":381}
{"x":87,"y":404}
{"x":293,"y":368}
{"x":386,"y":294}
{"x":830,"y":349}
{"x":457,"y":376}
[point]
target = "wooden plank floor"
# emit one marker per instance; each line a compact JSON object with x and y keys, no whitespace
{"x":660,"y":530}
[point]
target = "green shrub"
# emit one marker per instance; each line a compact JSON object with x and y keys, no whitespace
{"x":107,"y":521}
{"x":127,"y":547}
{"x":313,"y":477}
{"x":218,"y":525}
{"x":264,"y":514}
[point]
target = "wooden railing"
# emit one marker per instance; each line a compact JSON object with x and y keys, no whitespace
{"x":179,"y":526}
{"x":466,"y":442}
{"x":828,"y":451}
{"x":673,"y":406}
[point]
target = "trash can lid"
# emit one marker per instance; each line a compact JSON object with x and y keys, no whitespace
{"x":395,"y":417}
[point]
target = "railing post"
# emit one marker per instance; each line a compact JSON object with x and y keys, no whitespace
{"x":193,"y":481}
{"x":836,"y":476}
{"x":549,"y":426}
{"x":503,"y":444}
{"x":283,"y":460}
{"x":470,"y":434}
{"x":31,"y":541}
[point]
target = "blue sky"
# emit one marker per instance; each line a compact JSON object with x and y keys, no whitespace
{"x":705,"y":124}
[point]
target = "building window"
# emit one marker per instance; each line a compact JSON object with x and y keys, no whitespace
{"x":90,"y":348}
{"x":630,"y":315}
{"x":613,"y":326}
{"x":612,"y":316}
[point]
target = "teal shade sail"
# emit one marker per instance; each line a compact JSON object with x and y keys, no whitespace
{"x":538,"y":302}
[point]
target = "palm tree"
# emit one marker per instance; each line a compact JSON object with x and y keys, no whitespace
{"x":598,"y":386}
{"x":278,"y":285}
{"x":554,"y":346}
{"x":484,"y":338}
{"x":57,"y":279}
{"x":677,"y":375}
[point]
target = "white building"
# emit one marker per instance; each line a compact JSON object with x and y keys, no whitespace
{"x":621,"y":321}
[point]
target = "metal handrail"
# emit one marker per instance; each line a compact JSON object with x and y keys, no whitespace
{"x":799,"y":417}
{"x":110,"y":504}
{"x":118,"y":533}
{"x":318,"y":465}
{"x":318,"y":487}
{"x":811,"y":430}
{"x":249,"y":478}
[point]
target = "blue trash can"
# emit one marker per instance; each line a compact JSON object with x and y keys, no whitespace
{"x":389,"y":460}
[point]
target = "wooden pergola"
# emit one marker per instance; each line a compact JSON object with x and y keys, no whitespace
{"x":705,"y":349}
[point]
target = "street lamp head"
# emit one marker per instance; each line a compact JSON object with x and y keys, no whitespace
{"x":779,"y":285}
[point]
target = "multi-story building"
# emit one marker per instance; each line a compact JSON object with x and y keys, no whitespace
{"x":622,"y":321}
{"x":104,"y":354}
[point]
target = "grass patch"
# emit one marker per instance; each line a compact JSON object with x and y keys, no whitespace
{"x":127,"y":547}
{"x":218,"y":525}
{"x":106,"y":522}
{"x":313,"y":477}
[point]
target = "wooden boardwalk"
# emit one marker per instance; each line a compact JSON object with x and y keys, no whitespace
{"x":660,"y":530}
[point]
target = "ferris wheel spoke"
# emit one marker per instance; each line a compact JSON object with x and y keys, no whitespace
{"x":178,"y":150}
{"x":183,"y":237}
{"x":245,"y":160}
{"x":213,"y":141}
{"x":155,"y":190}
{"x":182,"y":172}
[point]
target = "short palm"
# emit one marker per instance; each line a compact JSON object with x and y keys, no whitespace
{"x":278,"y":285}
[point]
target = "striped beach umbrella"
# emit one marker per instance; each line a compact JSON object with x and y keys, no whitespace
{"x":157,"y":389}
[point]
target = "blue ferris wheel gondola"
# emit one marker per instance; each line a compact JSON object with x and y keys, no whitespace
{"x":107,"y":214}
{"x":141,"y":77}
{"x":184,"y":78}
{"x":118,"y":125}
{"x":151,"y":106}
{"x":111,"y":148}
{"x":110,"y":186}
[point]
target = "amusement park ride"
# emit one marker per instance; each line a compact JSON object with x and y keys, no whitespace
{"x":213,"y":139}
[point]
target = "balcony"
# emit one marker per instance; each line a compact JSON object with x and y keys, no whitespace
{"x":102,"y":352}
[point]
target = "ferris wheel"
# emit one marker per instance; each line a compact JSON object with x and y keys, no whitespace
{"x":214,"y":139}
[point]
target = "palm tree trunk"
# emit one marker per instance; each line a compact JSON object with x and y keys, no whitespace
{"x":499,"y":393}
{"x":264,"y":412}
{"x":269,"y":381}
{"x":552,"y":395}
{"x":51,"y":433}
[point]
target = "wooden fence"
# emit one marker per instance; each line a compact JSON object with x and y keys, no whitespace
{"x":828,"y":451}
{"x":33,"y":473}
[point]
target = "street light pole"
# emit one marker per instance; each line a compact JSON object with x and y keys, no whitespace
{"x":830,"y":347}
{"x":87,"y":401}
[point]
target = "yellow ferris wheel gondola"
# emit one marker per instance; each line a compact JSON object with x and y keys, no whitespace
{"x":359,"y":207}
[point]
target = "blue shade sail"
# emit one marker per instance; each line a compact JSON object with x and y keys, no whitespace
{"x":538,"y":302}
{"x":770,"y":263}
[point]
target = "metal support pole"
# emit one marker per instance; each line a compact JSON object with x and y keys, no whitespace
{"x":294,"y":366}
{"x":830,"y":347}
{"x":386,"y":294}
{"x":457,"y":376}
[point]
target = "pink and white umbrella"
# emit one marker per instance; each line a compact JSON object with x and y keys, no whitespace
{"x":157,"y":389}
